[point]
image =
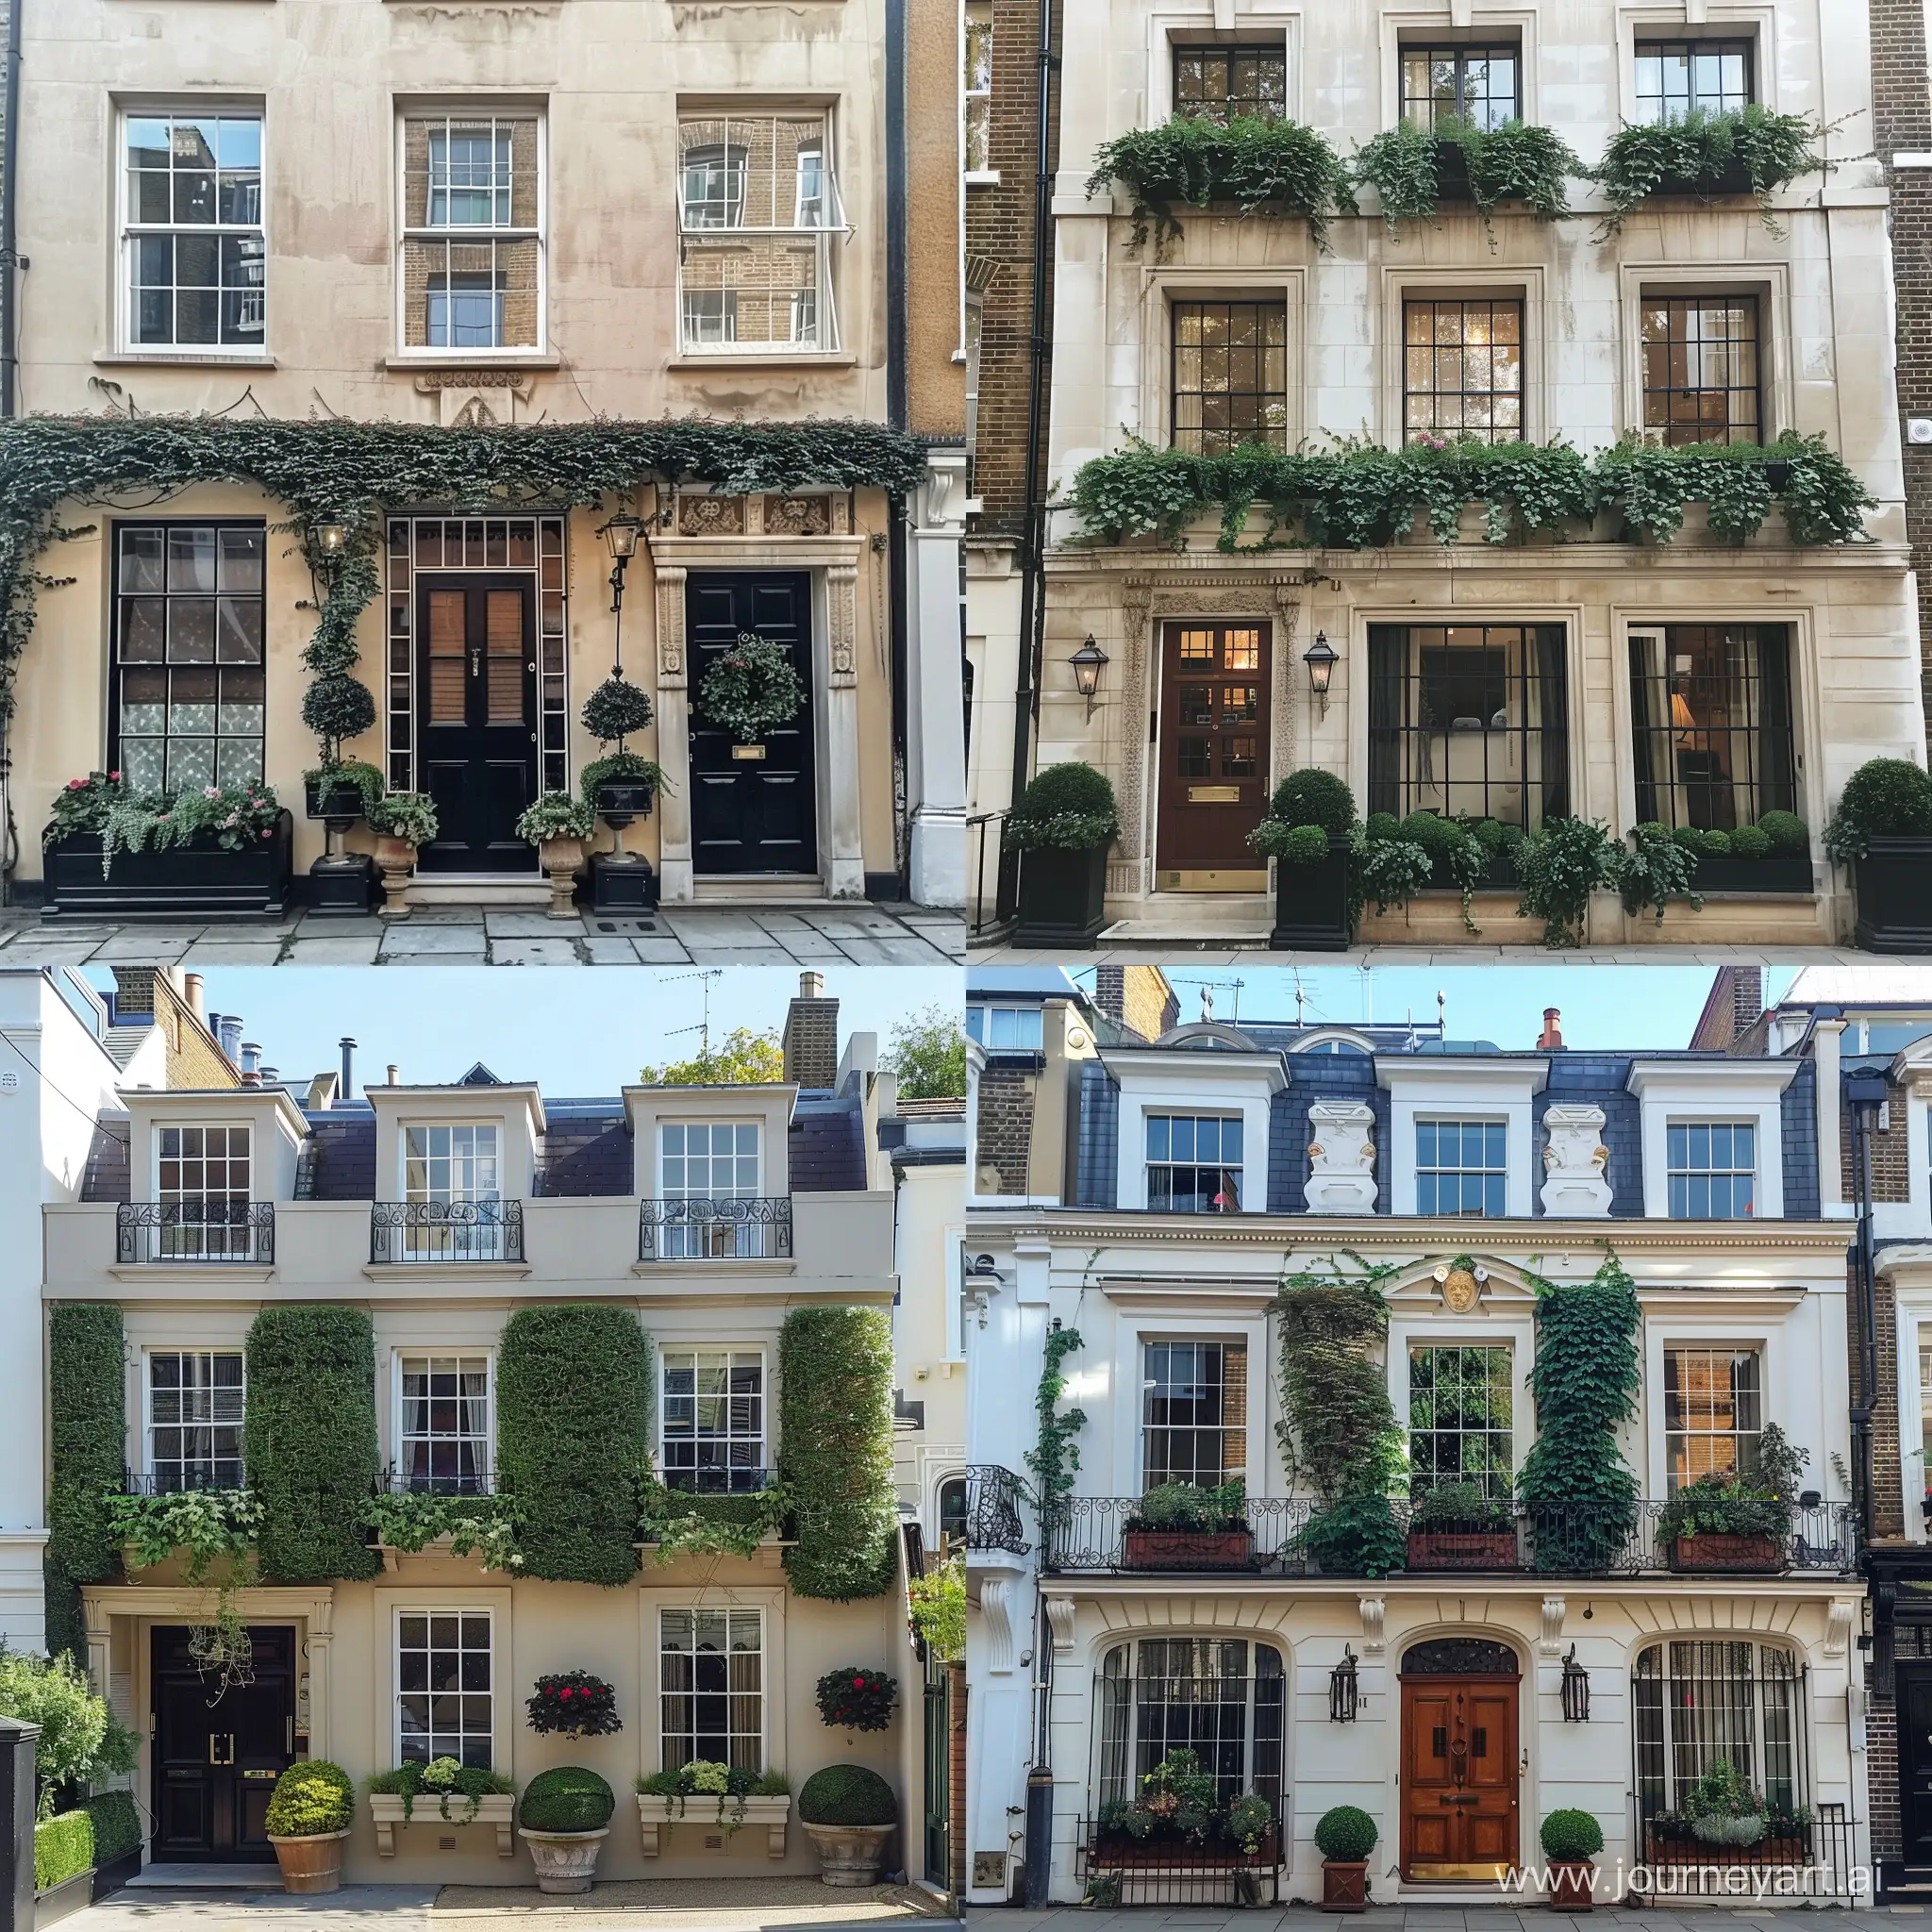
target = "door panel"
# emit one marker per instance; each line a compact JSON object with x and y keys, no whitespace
{"x":1211,"y":754}
{"x":1915,"y":1763}
{"x":216,"y":1760}
{"x":1459,"y":1777}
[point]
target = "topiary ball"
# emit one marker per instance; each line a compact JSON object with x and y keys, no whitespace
{"x":1513,"y":838}
{"x":570,"y":1798}
{"x":1892,"y":797}
{"x":1069,"y":787}
{"x":1752,"y":842}
{"x":847,"y":1794}
{"x":1345,"y":1834}
{"x":1381,"y":827}
{"x":336,"y":707}
{"x":1306,"y":845}
{"x":1717,"y":844}
{"x":615,"y":708}
{"x":310,"y":1800}
{"x":1570,"y":1837}
{"x":1487,"y":833}
{"x":1789,"y":836}
{"x":1689,"y":838}
{"x":1311,"y":797}
{"x":1435,"y":834}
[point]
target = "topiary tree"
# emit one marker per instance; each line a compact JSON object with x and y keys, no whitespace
{"x":616,"y":708}
{"x":87,"y":1427}
{"x":337,"y":707}
{"x":1789,"y":836}
{"x":311,"y":1799}
{"x":1345,"y":1834}
{"x":1572,"y":1837}
{"x":847,"y":1794}
{"x":1066,"y":808}
{"x":1312,"y":797}
{"x":1752,"y":842}
{"x":1883,"y":798}
{"x":570,"y":1798}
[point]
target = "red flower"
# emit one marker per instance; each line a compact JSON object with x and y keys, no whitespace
{"x":564,"y":1692}
{"x":858,"y":1683}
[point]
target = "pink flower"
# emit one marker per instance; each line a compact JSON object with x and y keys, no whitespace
{"x":210,"y":790}
{"x":77,"y":784}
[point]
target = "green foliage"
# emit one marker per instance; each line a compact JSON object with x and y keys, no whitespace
{"x":1559,"y":867}
{"x":87,"y":1432}
{"x":309,"y":1441}
{"x":570,"y":1798}
{"x":1068,"y":807}
{"x":1513,"y":162}
{"x":1649,"y":483}
{"x":1193,"y":1506}
{"x":1789,"y":836}
{"x":1721,"y":1807}
{"x":1266,"y":166}
{"x":1466,"y":1506}
{"x":336,"y":707}
{"x":409,"y":815}
{"x":937,"y":1609}
{"x":1694,"y":152}
{"x":1751,"y":843}
{"x":928,"y":1052}
{"x":745,"y":1059}
{"x":1570,"y":1838}
{"x":1400,"y":165}
{"x":480,"y":1527}
{"x":233,"y":818}
{"x":1717,"y":844}
{"x":751,"y":688}
{"x":1357,"y":1537}
{"x":79,"y":1739}
{"x":363,"y":776}
{"x":1653,"y":870}
{"x":311,"y":1799}
{"x":213,"y":1526}
{"x":676,"y":1522}
{"x":835,"y":1450}
{"x":1389,"y":871}
{"x":1431,"y":831}
{"x":555,"y":815}
{"x":1883,"y":797}
{"x":621,"y":764}
{"x":616,"y":708}
{"x":574,"y":1392}
{"x":846,"y":1794}
{"x":1055,"y":1457}
{"x":1295,"y":844}
{"x":1314,"y":797}
{"x":94,"y":1835}
{"x":441,"y":1778}
{"x":1346,"y":1834}
{"x":1761,"y":1502}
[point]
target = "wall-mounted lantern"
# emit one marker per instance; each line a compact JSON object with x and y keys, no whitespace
{"x":1089,"y":662}
{"x":332,"y":537}
{"x":1575,"y":1691}
{"x":1344,"y":1689}
{"x":1320,"y":659}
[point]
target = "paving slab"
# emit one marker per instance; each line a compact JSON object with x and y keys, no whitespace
{"x":331,"y":952}
{"x":527,"y":925}
{"x":407,"y":936}
{"x":544,"y":952}
{"x":221,"y":952}
{"x":662,"y":949}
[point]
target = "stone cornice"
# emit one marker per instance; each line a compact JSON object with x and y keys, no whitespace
{"x":1170,"y":569}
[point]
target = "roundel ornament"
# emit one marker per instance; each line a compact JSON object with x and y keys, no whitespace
{"x":1462,"y":1287}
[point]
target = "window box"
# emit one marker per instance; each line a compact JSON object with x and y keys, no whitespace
{"x":186,"y":881}
{"x":1312,"y":904}
{"x":1714,"y":1550}
{"x":1188,"y":1549}
{"x":1458,"y":1549}
{"x":1893,"y":887}
{"x":1452,"y":173}
{"x":657,"y":1815}
{"x":341,"y":801}
{"x":1783,"y":873}
{"x":497,"y":1812}
{"x":1119,"y":1851}
{"x":1062,"y":896}
{"x":1732,"y":177}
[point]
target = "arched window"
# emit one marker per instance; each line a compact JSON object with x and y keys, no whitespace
{"x":1698,"y":1701}
{"x":1221,"y":1697}
{"x":952,"y":1524}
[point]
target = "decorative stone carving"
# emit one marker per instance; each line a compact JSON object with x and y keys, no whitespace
{"x":1551,"y":1642}
{"x":1838,"y":1624}
{"x":670,"y":628}
{"x":1462,"y":1288}
{"x":1576,"y":1162}
{"x":841,"y":613}
{"x":799,"y":516}
{"x":1372,"y":1611}
{"x":1060,"y":1621}
{"x":473,"y":398}
{"x":1341,"y":1157}
{"x":710,"y":516}
{"x":996,"y":1624}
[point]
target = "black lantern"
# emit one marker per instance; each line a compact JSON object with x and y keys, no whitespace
{"x":1575,"y":1691}
{"x":1087,"y":663}
{"x":1344,"y":1690}
{"x":1320,"y":659}
{"x":332,"y":537}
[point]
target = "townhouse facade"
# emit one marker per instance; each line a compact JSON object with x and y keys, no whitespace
{"x":1568,"y":668}
{"x":1255,"y":1230}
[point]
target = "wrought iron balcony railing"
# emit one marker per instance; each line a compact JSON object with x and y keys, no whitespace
{"x":446,"y":1231}
{"x":716,"y":1479}
{"x":222,"y":1473}
{"x":215,"y":1231}
{"x":437,"y":1482}
{"x":700,"y":1228}
{"x":992,"y":1510}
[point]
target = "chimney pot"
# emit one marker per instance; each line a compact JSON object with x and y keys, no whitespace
{"x":392,"y":1071}
{"x":347,"y":1089}
{"x":197,"y":996}
{"x":811,"y":986}
{"x":230,"y":1036}
{"x":1552,"y":1039}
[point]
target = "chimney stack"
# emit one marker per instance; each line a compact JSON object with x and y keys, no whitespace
{"x":811,"y":1035}
{"x":195,"y":990}
{"x":1552,"y":1041}
{"x":347,"y":1089}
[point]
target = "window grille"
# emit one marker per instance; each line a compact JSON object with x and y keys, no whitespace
{"x":1713,"y":1412}
{"x":1480,"y":85}
{"x":1222,"y":1698}
{"x":1699,"y":1700}
{"x":1459,"y":1407}
{"x":1702,"y":372}
{"x":444,"y":1693}
{"x":1712,"y":1169}
{"x":195,"y":1406}
{"x":1193,"y":1164}
{"x":1463,"y":369}
{"x":711,"y":1673}
{"x":1229,"y":375}
{"x":1461,"y":1168}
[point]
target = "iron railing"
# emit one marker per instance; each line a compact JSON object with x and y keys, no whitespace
{"x":717,"y":1479}
{"x":698,"y":1228}
{"x":135,"y":1482}
{"x":992,"y":901}
{"x":992,"y":1510}
{"x":213,"y":1231}
{"x":409,"y":1482}
{"x":1810,"y":1861}
{"x":1123,"y":1871}
{"x":446,"y":1231}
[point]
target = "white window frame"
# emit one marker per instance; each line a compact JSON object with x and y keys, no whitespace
{"x":1501,"y":1091}
{"x":1143,"y":1386}
{"x":166,"y":1126}
{"x":1194,"y":1116}
{"x":147,"y":1393}
{"x":1475,"y":1118}
{"x":969,"y":95}
{"x":499,"y":1732}
{"x":695,"y":1347}
{"x":1672,"y":1092}
{"x":1154,"y":1080}
{"x":1129,"y":1429}
{"x":729,"y":1605}
{"x":1715,"y":1119}
{"x":708,"y":1121}
{"x":1777,"y":1397}
{"x":987,"y":1009}
{"x":401,"y":1351}
{"x":404,"y":1128}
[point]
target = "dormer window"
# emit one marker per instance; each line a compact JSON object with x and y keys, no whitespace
{"x":1461,"y":1168}
{"x":1714,"y":1170}
{"x":1194,"y":1164}
{"x":452,"y":1194}
{"x":710,"y":1182}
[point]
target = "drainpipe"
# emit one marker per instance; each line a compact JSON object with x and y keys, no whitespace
{"x":12,"y":264}
{"x":1039,"y":1866}
{"x":898,"y":412}
{"x":1864,"y":1092}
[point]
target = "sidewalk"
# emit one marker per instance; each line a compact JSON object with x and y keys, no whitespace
{"x":1490,"y":1916}
{"x":1180,"y":951}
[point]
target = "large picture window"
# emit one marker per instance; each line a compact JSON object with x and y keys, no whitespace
{"x":444,"y":1687}
{"x":190,"y":691}
{"x":1698,"y":1701}
{"x":1195,"y":1412}
{"x":1230,"y":375}
{"x":1713,"y":1413}
{"x":711,"y":1669}
{"x":191,"y":232}
{"x":1460,"y":1402}
{"x":1223,"y":1698}
{"x":1700,"y":369}
{"x":1227,"y":83}
{"x":194,"y":1414}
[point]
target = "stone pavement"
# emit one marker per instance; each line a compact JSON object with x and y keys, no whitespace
{"x":860,"y":933}
{"x":1489,"y":1916}
{"x":1184,"y":952}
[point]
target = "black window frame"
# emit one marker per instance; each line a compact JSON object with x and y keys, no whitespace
{"x":1664,"y":45}
{"x":1227,"y":54}
{"x":1462,"y":56}
{"x":1677,"y":304}
{"x":1229,"y":434}
{"x":1434,"y":394}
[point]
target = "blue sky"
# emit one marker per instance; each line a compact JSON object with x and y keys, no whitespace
{"x":576,"y":1033}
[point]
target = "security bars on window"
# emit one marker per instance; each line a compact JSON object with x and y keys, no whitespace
{"x":472,"y":254}
{"x":1198,"y":1695}
{"x":195,"y":255}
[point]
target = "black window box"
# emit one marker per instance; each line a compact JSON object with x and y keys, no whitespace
{"x":1312,"y":904}
{"x":1500,"y":876}
{"x":1452,"y":172}
{"x":1062,"y":896}
{"x":199,"y":881}
{"x":628,"y":797}
{"x":339,"y":802}
{"x":1893,"y":885}
{"x":1731,"y":177}
{"x":1782,"y":872}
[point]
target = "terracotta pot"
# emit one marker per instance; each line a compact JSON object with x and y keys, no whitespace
{"x":849,"y":1854}
{"x":565,"y":1860}
{"x":1570,"y":1884}
{"x":1190,"y":1549}
{"x":397,"y":859}
{"x":1712,"y":1550}
{"x":1345,"y":1885}
{"x":310,"y":1864}
{"x":561,"y":857}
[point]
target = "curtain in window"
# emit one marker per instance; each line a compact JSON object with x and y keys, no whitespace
{"x":1387,"y":652}
{"x":1552,"y":691}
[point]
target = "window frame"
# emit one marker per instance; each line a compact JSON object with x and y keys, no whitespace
{"x":148,"y":1352}
{"x":1738,"y":1349}
{"x":160,"y":1127}
{"x":1662,"y":1703}
{"x":1676,"y":1123}
{"x":1266,"y":304}
{"x":1648,"y":39}
{"x":1168,"y":1116}
{"x":404,"y":1128}
{"x":1462,"y":1121}
{"x":1232,"y":1433}
{"x":1434,"y":1345}
{"x":1426,"y":44}
{"x":402,"y":1352}
{"x":1686,"y":297}
{"x":656,"y":1610}
{"x":1227,"y":51}
{"x":1434,"y":300}
{"x":975,"y":26}
{"x":430,"y":1608}
{"x":986,"y":1009}
{"x":696,"y":1347}
{"x":1642,"y":281}
{"x":1118,"y":1755}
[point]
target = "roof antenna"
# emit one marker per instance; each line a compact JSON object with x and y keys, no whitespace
{"x":704,"y":1027}
{"x":1300,"y":998}
{"x":1441,"y":1016}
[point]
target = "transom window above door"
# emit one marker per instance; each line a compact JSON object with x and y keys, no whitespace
{"x":714,"y":1419}
{"x":1195,"y":1412}
{"x":1230,"y":83}
{"x":445,"y":1442}
{"x":1678,"y":77}
{"x":1229,"y":375}
{"x":1480,"y":85}
{"x":1461,"y":1168}
{"x":196,"y":1403}
{"x":1703,"y":375}
{"x":1712,"y":1169}
{"x":1194,"y":1164}
{"x":193,"y":241}
{"x":1713,"y":1412}
{"x":712,"y":1674}
{"x":1462,"y":368}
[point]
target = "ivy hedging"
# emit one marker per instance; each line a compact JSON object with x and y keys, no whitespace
{"x":835,"y":1437}
{"x":573,"y":1399}
{"x":309,"y":1441}
{"x":86,"y":1416}
{"x":1359,"y":495}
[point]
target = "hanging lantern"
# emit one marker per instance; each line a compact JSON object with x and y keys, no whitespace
{"x":1344,"y":1692}
{"x":1575,"y":1691}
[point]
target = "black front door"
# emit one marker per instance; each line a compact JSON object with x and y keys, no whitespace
{"x":1915,"y":1763}
{"x":752,"y":805}
{"x":217,"y":1753}
{"x":477,"y":720}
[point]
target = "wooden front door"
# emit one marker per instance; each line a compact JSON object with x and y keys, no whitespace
{"x":216,"y":1756}
{"x":1915,"y":1764}
{"x":752,"y":807}
{"x":1211,"y":752}
{"x":477,"y":720}
{"x":1458,"y":1774}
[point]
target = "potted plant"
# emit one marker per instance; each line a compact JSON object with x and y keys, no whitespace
{"x":1570,"y":1841}
{"x":1346,"y":1836}
{"x":1460,"y":1526}
{"x":1882,"y":830}
{"x":856,"y":1699}
{"x":481,"y":1796}
{"x":402,"y":822}
{"x":339,"y":791}
{"x":559,"y":825}
{"x":1306,"y":834}
{"x":1728,"y":1521}
{"x":309,"y":1815}
{"x":848,"y":1812}
{"x":565,"y":1816}
{"x":742,"y":1797}
{"x":620,"y":786}
{"x":1721,"y":1809}
{"x":1184,"y":1526}
{"x":1061,"y":827}
{"x":572,"y":1704}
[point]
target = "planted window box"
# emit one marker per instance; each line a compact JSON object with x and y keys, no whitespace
{"x":1178,"y":1823}
{"x":1459,"y":1526}
{"x":441,"y":1792}
{"x":1717,"y":1549}
{"x":1727,"y":1521}
{"x":1184,"y":1526}
{"x":744,"y":1821}
{"x":1061,"y":827}
{"x":1730,"y":177}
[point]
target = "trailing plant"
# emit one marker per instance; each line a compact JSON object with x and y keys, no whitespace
{"x":1067,"y":808}
{"x":1193,"y":1506}
{"x":235,"y":818}
{"x":1654,"y":870}
{"x":1649,"y":483}
{"x":574,"y":1390}
{"x":835,"y":1435}
{"x":80,"y":1739}
{"x":731,"y":1785}
{"x":1513,"y":162}
{"x":856,"y":1699}
{"x":846,"y":1794}
{"x":1400,"y":165}
{"x":555,"y":815}
{"x":310,"y":1800}
{"x":1346,"y":1834}
{"x":1883,"y":798}
{"x":1247,"y":1821}
{"x":96,"y":1833}
{"x":677,"y":1523}
{"x":1694,"y":152}
{"x":1570,"y":1837}
{"x":572,"y":1704}
{"x":1390,"y":870}
{"x":566,"y":1799}
{"x":1267,"y":166}
{"x":366,"y":779}
{"x":86,"y":1436}
{"x":751,"y":688}
{"x":621,"y":764}
{"x":480,"y":1527}
{"x":1358,"y":1536}
{"x":1559,"y":866}
{"x":442,"y":1779}
{"x":215,"y":1527}
{"x":1055,"y":1457}
{"x":936,"y":1609}
{"x":407,"y":815}
{"x":81,"y":807}
{"x":615,"y":709}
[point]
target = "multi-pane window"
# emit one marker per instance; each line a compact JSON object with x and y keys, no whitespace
{"x":1193,"y":1412}
{"x":1230,"y":375}
{"x":1698,"y":1699}
{"x":1222,"y":83}
{"x":195,"y":1410}
{"x":711,"y":1669}
{"x":1460,"y":1167}
{"x":202,"y":1179}
{"x":1463,"y":369}
{"x":1700,"y":369}
{"x":758,"y":208}
{"x":952,"y":1512}
{"x":976,"y":86}
{"x":452,"y":1178}
{"x":1218,"y":696}
{"x":714,"y":1419}
{"x":444,"y":1438}
{"x":1005,"y":1029}
{"x":1480,"y":85}
{"x":1676,"y":77}
{"x":1459,"y":1407}
{"x":1715,"y":740}
{"x":189,"y":694}
{"x":1712,"y":1169}
{"x":705,"y":1163}
{"x":192,"y":232}
{"x":1194,"y":1164}
{"x":472,"y":231}
{"x":1218,"y":1696}
{"x":445,"y":1705}
{"x":1713,"y":1412}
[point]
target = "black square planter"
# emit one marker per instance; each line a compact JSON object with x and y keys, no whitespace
{"x":626,"y":885}
{"x":627,"y":798}
{"x":1893,"y":885}
{"x":1781,"y":873}
{"x":199,"y":881}
{"x":1733,"y":178}
{"x":1062,"y":896}
{"x":1312,"y":904}
{"x":339,"y":802}
{"x":341,"y":888}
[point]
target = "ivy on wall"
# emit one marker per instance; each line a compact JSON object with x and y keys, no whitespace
{"x":573,"y":1399}
{"x":87,"y":1416}
{"x":309,"y":1441}
{"x":834,"y":1449}
{"x":1055,"y":1457}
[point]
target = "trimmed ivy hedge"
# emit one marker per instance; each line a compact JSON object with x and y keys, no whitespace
{"x":87,"y":1415}
{"x":309,"y":1441}
{"x":573,"y":1399}
{"x":835,"y":1437}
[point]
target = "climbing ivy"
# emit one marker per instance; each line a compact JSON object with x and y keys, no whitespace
{"x":87,"y":1416}
{"x":1054,"y":1457}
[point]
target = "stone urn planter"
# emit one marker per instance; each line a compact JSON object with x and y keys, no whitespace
{"x":397,"y":860}
{"x":566,"y":1862}
{"x":1345,"y":1885}
{"x":761,"y":1826}
{"x":562,"y":858}
{"x":310,"y":1864}
{"x":850,"y":1854}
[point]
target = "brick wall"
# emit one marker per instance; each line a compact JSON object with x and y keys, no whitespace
{"x":1138,"y":997}
{"x":1889,"y":1178}
{"x":955,"y":1773}
{"x":1881,"y":1777}
{"x":194,"y":1059}
{"x":1889,"y":1500}
{"x":811,"y":1038}
{"x":1005,"y":1126}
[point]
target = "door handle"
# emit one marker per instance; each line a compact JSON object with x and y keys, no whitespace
{"x":215,"y":1741}
{"x":475,"y":660}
